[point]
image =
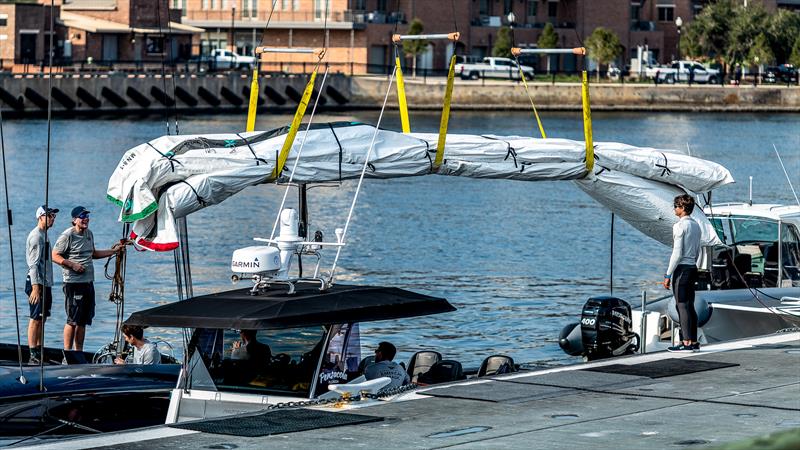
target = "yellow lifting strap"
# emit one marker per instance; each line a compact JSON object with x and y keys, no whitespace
{"x":401,"y":96}
{"x":527,"y":91}
{"x":587,"y":123}
{"x":251,"y":109}
{"x":298,"y":118}
{"x":448,"y":95}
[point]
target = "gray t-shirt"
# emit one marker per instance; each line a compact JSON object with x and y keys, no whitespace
{"x":148,"y":354}
{"x":77,"y":248}
{"x":35,"y":252}
{"x":387,"y":369}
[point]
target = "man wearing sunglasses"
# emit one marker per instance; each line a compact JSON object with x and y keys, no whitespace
{"x":39,"y":280}
{"x":74,"y":252}
{"x":682,"y":272}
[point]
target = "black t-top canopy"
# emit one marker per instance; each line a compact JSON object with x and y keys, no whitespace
{"x":306,"y":307}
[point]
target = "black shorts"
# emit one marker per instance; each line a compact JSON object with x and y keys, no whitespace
{"x":46,"y":300}
{"x":79,"y":303}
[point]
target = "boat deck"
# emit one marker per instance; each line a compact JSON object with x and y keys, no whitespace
{"x":724,"y":393}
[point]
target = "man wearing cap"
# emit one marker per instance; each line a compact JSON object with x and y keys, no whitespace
{"x":39,"y":280}
{"x":74,"y":252}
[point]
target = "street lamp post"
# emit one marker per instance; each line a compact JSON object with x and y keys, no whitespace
{"x":511,"y":17}
{"x":679,"y":24}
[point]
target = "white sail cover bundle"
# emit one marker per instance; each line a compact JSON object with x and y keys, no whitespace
{"x":173,"y":176}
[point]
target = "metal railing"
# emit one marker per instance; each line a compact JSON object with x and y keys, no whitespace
{"x":206,"y":66}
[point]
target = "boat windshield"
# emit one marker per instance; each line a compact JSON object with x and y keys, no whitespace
{"x":734,"y":230}
{"x":281,"y":362}
{"x":757,"y":253}
{"x":278,"y":362}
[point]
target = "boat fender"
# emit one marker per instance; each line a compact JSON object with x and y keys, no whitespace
{"x":570,"y":339}
{"x":701,"y":306}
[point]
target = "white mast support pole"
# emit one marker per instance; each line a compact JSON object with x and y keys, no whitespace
{"x":516,"y":51}
{"x":318,"y":52}
{"x":361,"y":178}
{"x":297,"y":159}
{"x":780,"y":160}
{"x":428,"y":37}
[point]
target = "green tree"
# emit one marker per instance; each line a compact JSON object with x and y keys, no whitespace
{"x":548,"y":39}
{"x":416,"y":47}
{"x":782,"y":30}
{"x":794,"y":57}
{"x":502,"y":45}
{"x":746,"y":26}
{"x":603,"y":46}
{"x":760,"y":53}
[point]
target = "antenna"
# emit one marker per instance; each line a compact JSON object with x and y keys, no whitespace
{"x":751,"y":191}
{"x":786,"y":173}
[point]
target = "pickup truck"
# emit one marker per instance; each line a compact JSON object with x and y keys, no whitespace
{"x":226,"y":59}
{"x":493,"y":67}
{"x":681,"y":71}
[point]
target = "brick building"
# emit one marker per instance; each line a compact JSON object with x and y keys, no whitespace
{"x":107,"y":32}
{"x":359,"y":31}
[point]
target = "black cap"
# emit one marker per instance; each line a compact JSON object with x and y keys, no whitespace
{"x":78,"y":210}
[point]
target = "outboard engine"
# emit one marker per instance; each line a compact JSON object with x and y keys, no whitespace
{"x":605,"y":330}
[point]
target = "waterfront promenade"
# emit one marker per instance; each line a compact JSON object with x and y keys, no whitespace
{"x":115,"y":94}
{"x":725,"y":393}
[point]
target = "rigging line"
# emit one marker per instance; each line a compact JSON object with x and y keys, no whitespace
{"x":786,"y":173}
{"x":47,"y":257}
{"x":9,"y":220}
{"x":163,"y":69}
{"x":297,"y":158}
{"x":264,"y":33}
{"x":172,"y":61}
{"x":455,"y":22}
{"x":396,"y":16}
{"x":361,"y":178}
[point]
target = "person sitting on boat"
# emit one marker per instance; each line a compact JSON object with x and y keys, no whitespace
{"x":385,"y":367}
{"x":682,"y":271}
{"x":144,"y":351}
{"x":258,"y":353}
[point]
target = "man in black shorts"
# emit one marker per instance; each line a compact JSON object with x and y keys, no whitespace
{"x":39,"y":281}
{"x":74,"y":252}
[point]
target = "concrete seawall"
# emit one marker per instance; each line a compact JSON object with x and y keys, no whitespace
{"x":567,"y":96}
{"x":120,"y":94}
{"x":138,"y":94}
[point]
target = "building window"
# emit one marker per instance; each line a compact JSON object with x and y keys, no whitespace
{"x":154,"y":45}
{"x":552,"y":9}
{"x":319,"y":9}
{"x":666,"y":13}
{"x":483,"y":7}
{"x":382,"y":5}
{"x":359,"y":5}
{"x":295,"y":5}
{"x":3,"y":20}
{"x":532,"y":8}
{"x":506,"y":7}
{"x":204,"y":5}
{"x":636,"y":9}
{"x":213,"y":4}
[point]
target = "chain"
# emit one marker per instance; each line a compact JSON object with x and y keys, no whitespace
{"x":345,"y":399}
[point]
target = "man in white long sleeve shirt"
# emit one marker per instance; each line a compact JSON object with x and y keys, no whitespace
{"x":682,"y":272}
{"x":39,"y":281}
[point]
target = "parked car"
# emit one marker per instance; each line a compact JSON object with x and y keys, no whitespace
{"x":226,"y":59}
{"x":493,"y":67}
{"x":785,"y":73}
{"x":682,"y":71}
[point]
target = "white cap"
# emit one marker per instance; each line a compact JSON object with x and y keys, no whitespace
{"x":41,"y":211}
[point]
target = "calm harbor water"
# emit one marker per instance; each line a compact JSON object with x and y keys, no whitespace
{"x":517,"y":259}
